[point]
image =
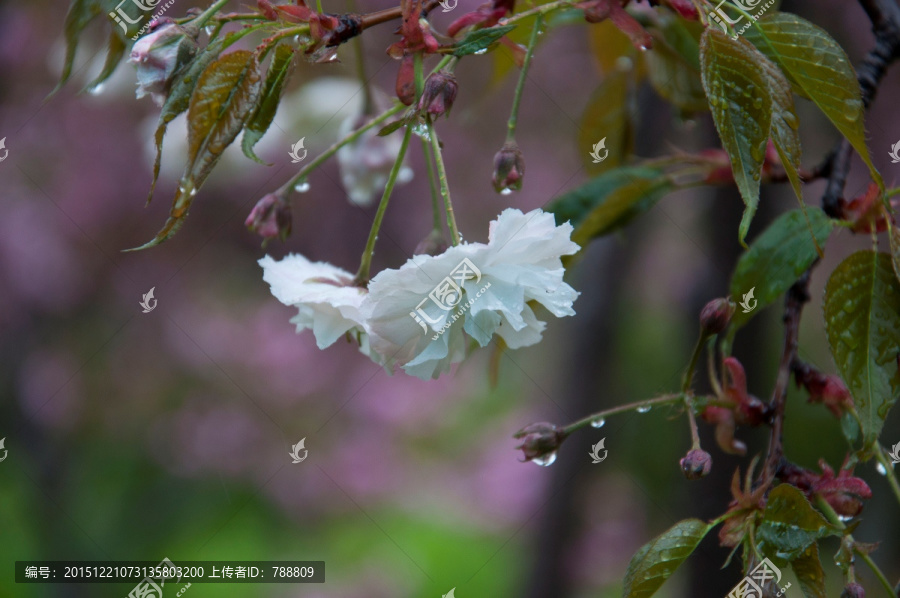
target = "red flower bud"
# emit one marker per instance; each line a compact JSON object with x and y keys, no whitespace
{"x":540,"y":442}
{"x":270,"y":217}
{"x":696,"y":464}
{"x":509,"y":168}
{"x":828,"y":390}
{"x":853,"y":590}
{"x":716,"y":315}
{"x":439,"y":94}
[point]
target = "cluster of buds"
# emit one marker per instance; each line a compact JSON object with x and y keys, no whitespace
{"x":747,"y":410}
{"x":327,"y":31}
{"x":843,"y":491}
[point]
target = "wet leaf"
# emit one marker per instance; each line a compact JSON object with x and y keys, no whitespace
{"x":808,"y":570}
{"x":225,"y":95}
{"x":862,"y":321}
{"x":790,"y":524}
{"x":81,"y":13}
{"x":114,"y":53}
{"x":817,"y":64}
{"x":657,"y":560}
{"x":610,"y":200}
{"x":608,"y":116}
{"x":737,"y":89}
{"x":179,"y":99}
{"x":777,"y":258}
{"x":785,"y":130}
{"x":480,"y":39}
{"x":262,"y":118}
{"x":673,"y":66}
{"x":393,"y":126}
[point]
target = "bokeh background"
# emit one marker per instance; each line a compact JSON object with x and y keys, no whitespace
{"x":144,"y":436}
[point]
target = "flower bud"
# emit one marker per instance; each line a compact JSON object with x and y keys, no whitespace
{"x":853,"y":590}
{"x":438,"y":95}
{"x":270,"y":217}
{"x":540,"y":440}
{"x":509,"y":168}
{"x":158,"y":56}
{"x":696,"y":464}
{"x":716,"y":315}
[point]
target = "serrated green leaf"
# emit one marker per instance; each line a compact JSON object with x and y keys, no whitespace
{"x":262,"y":118}
{"x":225,"y":96}
{"x":790,"y":524}
{"x":862,"y":321}
{"x":179,"y":99}
{"x":607,"y":117}
{"x":657,"y":560}
{"x":817,"y":64}
{"x":610,"y":200}
{"x":737,"y":89}
{"x":785,"y":128}
{"x":480,"y":39}
{"x":808,"y":570}
{"x":777,"y":258}
{"x":673,"y":67}
{"x":114,"y":53}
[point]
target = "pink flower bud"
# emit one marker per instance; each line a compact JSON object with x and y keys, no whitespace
{"x":509,"y":168}
{"x":439,"y":94}
{"x":540,"y":440}
{"x":270,"y":217}
{"x":696,"y":464}
{"x":716,"y":315}
{"x":158,"y":56}
{"x":853,"y":590}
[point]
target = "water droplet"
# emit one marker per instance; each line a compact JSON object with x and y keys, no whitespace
{"x":598,"y":423}
{"x":880,"y":469}
{"x":845,"y":518}
{"x":422,"y":131}
{"x":643,"y":409}
{"x":505,"y":191}
{"x":209,"y":29}
{"x":547,"y":460}
{"x":643,"y":47}
{"x":852,"y":109}
{"x":193,"y":192}
{"x":481,"y":51}
{"x":97,"y":89}
{"x":301,"y":187}
{"x":758,"y":152}
{"x":503,"y":22}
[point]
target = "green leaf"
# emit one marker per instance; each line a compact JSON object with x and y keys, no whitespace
{"x":817,"y":64}
{"x":808,"y":570}
{"x":480,"y":39}
{"x":225,"y":96}
{"x":777,"y":258}
{"x":262,"y":119}
{"x":790,"y":524}
{"x":610,"y":200}
{"x":657,"y":560}
{"x":673,"y":66}
{"x":179,"y":99}
{"x":114,"y":53}
{"x":737,"y":88}
{"x":393,"y":126}
{"x":607,"y":118}
{"x":862,"y":321}
{"x":785,"y":128}
{"x":81,"y":13}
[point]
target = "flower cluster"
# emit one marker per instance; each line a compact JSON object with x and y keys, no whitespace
{"x":418,"y":316}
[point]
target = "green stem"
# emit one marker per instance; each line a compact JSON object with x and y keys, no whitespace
{"x":418,"y":70}
{"x":445,"y":187}
{"x":362,"y":277}
{"x":878,"y":573}
{"x":689,"y":372}
{"x":881,"y":457}
{"x":301,"y":176}
{"x":207,"y":14}
{"x":662,"y":400}
{"x":540,"y":10}
{"x":433,"y":185}
{"x":520,"y":86}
